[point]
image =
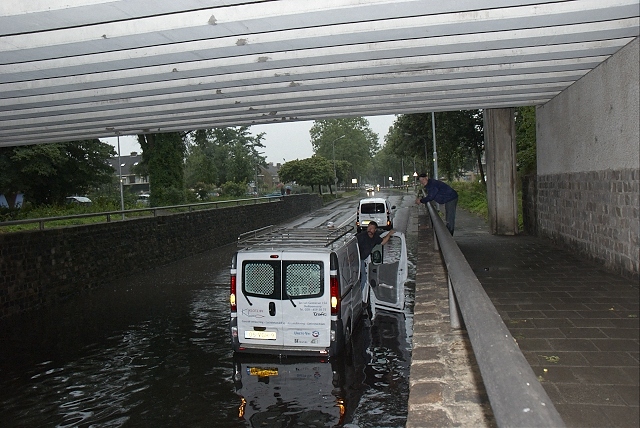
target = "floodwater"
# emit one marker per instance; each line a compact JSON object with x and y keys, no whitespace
{"x":153,"y":350}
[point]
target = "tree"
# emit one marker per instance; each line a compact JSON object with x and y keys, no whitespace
{"x":312,"y":171}
{"x":526,"y":140}
{"x":163,"y":156}
{"x":350,"y":138}
{"x":47,"y":173}
{"x":220,"y":155}
{"x":459,"y":138}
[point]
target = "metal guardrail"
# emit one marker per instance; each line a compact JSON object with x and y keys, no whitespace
{"x":516,"y":396}
{"x":155,"y":211}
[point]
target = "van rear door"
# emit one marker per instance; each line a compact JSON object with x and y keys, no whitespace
{"x":306,"y":304}
{"x":387,"y":279}
{"x":259,"y":300}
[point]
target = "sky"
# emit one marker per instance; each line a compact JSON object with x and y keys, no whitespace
{"x":283,"y":141}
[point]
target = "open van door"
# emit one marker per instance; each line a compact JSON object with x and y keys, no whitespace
{"x":387,"y":273}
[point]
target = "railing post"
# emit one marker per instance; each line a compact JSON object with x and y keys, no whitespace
{"x":436,"y":247}
{"x":454,"y":312}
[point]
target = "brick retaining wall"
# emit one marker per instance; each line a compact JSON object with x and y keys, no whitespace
{"x":595,"y":214}
{"x":42,"y":267}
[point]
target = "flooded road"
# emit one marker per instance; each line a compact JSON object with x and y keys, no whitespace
{"x":154,"y":350}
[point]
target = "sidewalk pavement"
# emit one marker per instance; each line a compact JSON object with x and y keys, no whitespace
{"x":575,"y":323}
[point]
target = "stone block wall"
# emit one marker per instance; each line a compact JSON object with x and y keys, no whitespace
{"x":42,"y":267}
{"x":595,"y":213}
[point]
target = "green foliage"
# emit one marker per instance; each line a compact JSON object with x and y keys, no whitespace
{"x":163,"y":155}
{"x":526,"y":140}
{"x":472,"y":196}
{"x":219,"y":155}
{"x":350,"y":139}
{"x":231,"y":188}
{"x":169,"y":196}
{"x":459,"y":141}
{"x":313,"y":171}
{"x":47,"y":173}
{"x":202,"y":190}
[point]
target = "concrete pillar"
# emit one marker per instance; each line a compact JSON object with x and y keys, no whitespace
{"x":500,"y":153}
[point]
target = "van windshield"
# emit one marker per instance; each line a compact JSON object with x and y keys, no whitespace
{"x":372,"y":208}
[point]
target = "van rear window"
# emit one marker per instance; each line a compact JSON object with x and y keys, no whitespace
{"x":303,"y":279}
{"x":372,"y":208}
{"x":260,"y":278}
{"x":300,"y":279}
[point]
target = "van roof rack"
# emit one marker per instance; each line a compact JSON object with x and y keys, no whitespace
{"x":271,"y":236}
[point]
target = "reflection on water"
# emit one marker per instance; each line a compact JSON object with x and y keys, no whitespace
{"x":153,"y":350}
{"x":367,"y":386}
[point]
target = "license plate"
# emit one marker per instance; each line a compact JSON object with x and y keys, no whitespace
{"x":267,"y":335}
{"x":262,"y":372}
{"x":365,"y":222}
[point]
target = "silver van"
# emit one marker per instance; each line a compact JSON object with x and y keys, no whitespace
{"x":295,"y":291}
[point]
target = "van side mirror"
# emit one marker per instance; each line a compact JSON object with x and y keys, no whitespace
{"x":376,"y":255}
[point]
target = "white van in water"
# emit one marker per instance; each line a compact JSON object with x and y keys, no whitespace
{"x":374,"y":209}
{"x":295,"y":291}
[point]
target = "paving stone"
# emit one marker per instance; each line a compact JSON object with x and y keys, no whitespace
{"x":610,"y":358}
{"x":572,"y":345}
{"x":584,"y":416}
{"x":429,"y":418}
{"x":590,"y":394}
{"x":616,"y":344}
{"x":425,"y":393}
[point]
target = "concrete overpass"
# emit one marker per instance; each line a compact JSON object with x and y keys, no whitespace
{"x":78,"y":69}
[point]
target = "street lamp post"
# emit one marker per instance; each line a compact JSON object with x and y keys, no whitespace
{"x":120,"y":176}
{"x":435,"y":153}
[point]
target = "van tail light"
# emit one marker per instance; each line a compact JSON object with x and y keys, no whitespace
{"x":232,"y":293}
{"x":335,"y":295}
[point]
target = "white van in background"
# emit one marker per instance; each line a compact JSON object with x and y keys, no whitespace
{"x":295,"y":291}
{"x":375,"y":209}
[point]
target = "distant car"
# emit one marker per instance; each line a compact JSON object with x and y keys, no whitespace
{"x":78,"y":200}
{"x":375,"y":209}
{"x":143,"y":199}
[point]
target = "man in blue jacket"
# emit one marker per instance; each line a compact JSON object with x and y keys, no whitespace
{"x":442,"y":193}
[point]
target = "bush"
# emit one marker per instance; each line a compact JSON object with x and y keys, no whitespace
{"x":167,"y":196}
{"x":472,"y":196}
{"x":231,"y":188}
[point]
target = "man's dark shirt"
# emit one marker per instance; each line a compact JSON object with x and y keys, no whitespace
{"x":366,"y":244}
{"x":438,"y":191}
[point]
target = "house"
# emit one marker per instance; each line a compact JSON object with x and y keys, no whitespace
{"x":269,"y":175}
{"x":130,"y":181}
